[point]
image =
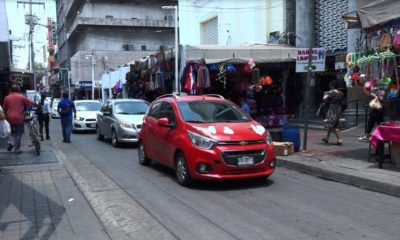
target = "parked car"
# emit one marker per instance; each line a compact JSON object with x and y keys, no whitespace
{"x":54,"y":112}
{"x":205,"y":138}
{"x":121,"y":120}
{"x":86,"y":115}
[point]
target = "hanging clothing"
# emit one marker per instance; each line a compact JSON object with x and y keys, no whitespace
{"x":203,"y":77}
{"x":160,"y":81}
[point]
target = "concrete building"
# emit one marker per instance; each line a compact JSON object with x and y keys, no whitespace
{"x":205,"y":22}
{"x":106,"y":34}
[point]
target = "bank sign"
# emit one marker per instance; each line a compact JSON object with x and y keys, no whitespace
{"x":85,"y":84}
{"x":318,"y":60}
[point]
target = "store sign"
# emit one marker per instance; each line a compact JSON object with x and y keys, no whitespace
{"x":85,"y":84}
{"x":318,"y":60}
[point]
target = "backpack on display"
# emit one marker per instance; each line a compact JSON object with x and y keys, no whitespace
{"x":386,"y":41}
{"x":375,"y":42}
{"x":396,"y":39}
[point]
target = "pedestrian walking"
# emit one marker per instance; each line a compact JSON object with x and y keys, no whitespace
{"x":14,"y":106}
{"x":335,"y":99}
{"x":43,"y":113}
{"x":65,"y":108}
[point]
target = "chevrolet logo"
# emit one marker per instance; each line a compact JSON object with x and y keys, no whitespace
{"x":243,"y":143}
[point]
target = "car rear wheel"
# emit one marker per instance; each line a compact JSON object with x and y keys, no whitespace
{"x":114,"y":139}
{"x":143,"y":159}
{"x":100,"y":137}
{"x":181,"y":170}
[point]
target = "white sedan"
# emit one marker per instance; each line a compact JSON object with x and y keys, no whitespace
{"x":54,"y":113}
{"x":86,"y":111}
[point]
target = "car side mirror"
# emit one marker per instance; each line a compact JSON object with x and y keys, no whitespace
{"x":164,"y":122}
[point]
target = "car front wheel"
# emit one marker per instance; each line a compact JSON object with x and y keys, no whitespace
{"x":181,"y":170}
{"x":143,"y":159}
{"x":114,"y":139}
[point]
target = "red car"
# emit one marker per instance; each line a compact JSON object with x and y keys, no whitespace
{"x":205,"y":138}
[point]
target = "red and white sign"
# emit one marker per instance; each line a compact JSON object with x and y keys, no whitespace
{"x":318,"y":60}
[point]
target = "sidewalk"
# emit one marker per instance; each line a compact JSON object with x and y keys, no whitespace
{"x":347,"y":163}
{"x":39,"y":199}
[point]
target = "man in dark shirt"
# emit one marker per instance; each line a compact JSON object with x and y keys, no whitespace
{"x":65,"y":108}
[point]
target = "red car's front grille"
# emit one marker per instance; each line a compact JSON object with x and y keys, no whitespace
{"x":231,"y":157}
{"x":240,"y":171}
{"x":241,"y":143}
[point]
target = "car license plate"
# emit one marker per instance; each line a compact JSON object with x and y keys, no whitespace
{"x":93,"y":125}
{"x":243,"y":161}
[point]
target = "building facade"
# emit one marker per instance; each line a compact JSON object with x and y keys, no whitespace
{"x":236,"y":23}
{"x":106,"y":34}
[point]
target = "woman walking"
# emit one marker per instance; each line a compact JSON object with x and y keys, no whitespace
{"x":334,"y":98}
{"x":43,"y":112}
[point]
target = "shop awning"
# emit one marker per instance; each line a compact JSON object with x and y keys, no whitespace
{"x":376,"y":12}
{"x":110,"y":79}
{"x":238,"y":54}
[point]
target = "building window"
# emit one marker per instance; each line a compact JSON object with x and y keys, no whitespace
{"x":209,"y":32}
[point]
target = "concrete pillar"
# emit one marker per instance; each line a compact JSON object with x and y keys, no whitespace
{"x":305,"y":37}
{"x":352,"y":34}
{"x":305,"y":23}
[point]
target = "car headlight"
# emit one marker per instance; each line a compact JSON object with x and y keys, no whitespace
{"x":201,"y":141}
{"x":125,"y":124}
{"x":268,"y":139}
{"x":80,"y":118}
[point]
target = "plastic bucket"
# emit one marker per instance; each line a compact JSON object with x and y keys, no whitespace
{"x":291,"y":133}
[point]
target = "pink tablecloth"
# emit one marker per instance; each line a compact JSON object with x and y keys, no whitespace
{"x":385,"y":133}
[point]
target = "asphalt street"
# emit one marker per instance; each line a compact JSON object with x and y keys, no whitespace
{"x":289,"y":205}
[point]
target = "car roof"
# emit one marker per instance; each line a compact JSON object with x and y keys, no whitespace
{"x":208,"y":97}
{"x":127,"y":100}
{"x":80,"y":101}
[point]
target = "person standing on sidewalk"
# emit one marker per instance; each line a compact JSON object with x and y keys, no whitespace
{"x":43,"y":113}
{"x":65,"y":108}
{"x":375,"y":115}
{"x":335,"y":99}
{"x":14,"y":106}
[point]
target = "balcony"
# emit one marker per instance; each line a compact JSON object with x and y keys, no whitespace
{"x":119,"y":22}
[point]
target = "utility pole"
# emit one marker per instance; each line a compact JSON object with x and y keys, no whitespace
{"x":31,"y":20}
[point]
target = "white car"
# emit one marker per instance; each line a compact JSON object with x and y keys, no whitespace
{"x":86,"y":113}
{"x":54,"y":113}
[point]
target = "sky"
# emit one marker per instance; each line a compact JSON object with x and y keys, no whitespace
{"x":16,"y":23}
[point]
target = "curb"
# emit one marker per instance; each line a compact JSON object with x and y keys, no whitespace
{"x":342,"y":177}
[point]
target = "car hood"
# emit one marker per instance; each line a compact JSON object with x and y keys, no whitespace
{"x":136,"y":119}
{"x":87,"y":114}
{"x":243,"y":131}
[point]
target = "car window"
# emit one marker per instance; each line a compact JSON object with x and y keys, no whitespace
{"x":87,"y":106}
{"x":166,"y":111}
{"x":210,"y":111}
{"x":130,"y":108}
{"x":155,"y":109}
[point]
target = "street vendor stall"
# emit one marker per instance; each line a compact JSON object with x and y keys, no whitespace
{"x":258,"y":75}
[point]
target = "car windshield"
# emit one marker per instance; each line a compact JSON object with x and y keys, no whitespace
{"x":131,"y":108}
{"x":211,"y":111}
{"x":88,"y":106}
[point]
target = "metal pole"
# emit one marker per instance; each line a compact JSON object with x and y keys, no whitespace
{"x":310,"y":55}
{"x":177,"y":89}
{"x":92,"y":76}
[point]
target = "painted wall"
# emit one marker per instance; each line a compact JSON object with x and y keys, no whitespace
{"x":246,"y":22}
